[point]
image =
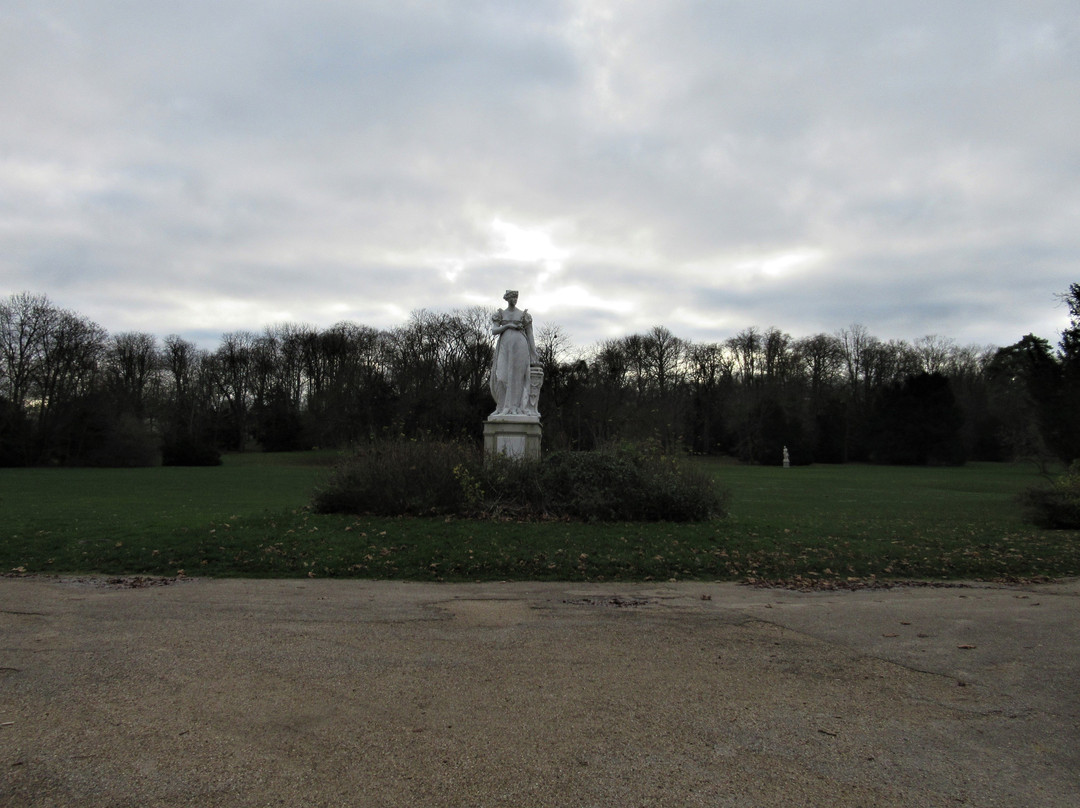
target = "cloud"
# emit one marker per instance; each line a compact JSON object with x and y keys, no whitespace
{"x":706,"y":166}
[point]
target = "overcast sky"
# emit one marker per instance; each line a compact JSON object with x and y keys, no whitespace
{"x":207,"y":166}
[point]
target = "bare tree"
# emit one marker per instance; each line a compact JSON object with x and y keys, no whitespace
{"x":132,"y":364}
{"x":469,"y":349}
{"x":552,"y":346}
{"x":663,"y":354}
{"x":776,"y":353}
{"x":820,"y":359}
{"x":24,"y":321}
{"x":746,"y":348}
{"x":857,"y":347}
{"x":933,"y":353}
{"x":232,"y":368}
{"x":71,"y":353}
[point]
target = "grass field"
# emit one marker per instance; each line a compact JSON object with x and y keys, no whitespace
{"x":249,"y":518}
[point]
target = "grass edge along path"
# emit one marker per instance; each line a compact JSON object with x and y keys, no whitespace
{"x":249,"y":518}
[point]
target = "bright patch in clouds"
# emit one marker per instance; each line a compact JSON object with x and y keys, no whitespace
{"x":209,"y":314}
{"x":780,"y":265}
{"x":569,"y":298}
{"x":529,"y":244}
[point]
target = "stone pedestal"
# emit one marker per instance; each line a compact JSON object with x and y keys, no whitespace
{"x":513,"y":435}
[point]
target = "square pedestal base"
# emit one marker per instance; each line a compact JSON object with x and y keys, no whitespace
{"x":512,"y":438}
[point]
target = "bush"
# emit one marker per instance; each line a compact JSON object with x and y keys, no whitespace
{"x":122,"y":441}
{"x":401,"y":477}
{"x":1056,"y":506}
{"x":428,"y":478}
{"x":14,"y":435}
{"x":189,"y":452}
{"x":610,"y":485}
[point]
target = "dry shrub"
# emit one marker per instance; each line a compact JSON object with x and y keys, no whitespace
{"x":422,"y":478}
{"x":1056,"y":506}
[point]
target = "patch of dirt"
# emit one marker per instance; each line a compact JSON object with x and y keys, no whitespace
{"x":806,"y":584}
{"x":105,"y":582}
{"x":138,"y":582}
{"x":615,"y":601}
{"x":490,"y":612}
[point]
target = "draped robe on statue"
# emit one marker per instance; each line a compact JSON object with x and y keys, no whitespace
{"x":514,"y":353}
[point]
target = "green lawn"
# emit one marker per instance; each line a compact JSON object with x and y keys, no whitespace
{"x":249,"y":518}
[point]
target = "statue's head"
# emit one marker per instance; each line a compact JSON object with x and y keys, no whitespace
{"x":510,"y":294}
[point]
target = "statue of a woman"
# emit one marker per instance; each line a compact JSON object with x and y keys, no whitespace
{"x":514,"y":353}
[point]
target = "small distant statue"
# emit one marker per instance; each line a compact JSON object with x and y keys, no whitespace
{"x":515,"y":355}
{"x":787,"y":459}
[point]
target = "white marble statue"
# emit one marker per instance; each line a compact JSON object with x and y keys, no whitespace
{"x":515,"y":353}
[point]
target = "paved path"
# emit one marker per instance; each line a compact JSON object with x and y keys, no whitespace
{"x":352,"y":693}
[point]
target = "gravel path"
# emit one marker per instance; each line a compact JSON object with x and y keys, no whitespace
{"x":354,"y":693}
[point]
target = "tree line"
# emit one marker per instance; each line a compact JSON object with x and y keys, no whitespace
{"x":70,"y":393}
